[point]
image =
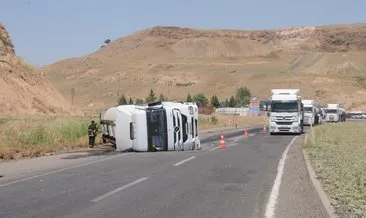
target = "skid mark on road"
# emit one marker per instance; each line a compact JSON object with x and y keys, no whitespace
{"x":271,"y":205}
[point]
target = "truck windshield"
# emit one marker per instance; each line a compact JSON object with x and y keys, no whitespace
{"x":331,"y":111}
{"x":308,"y":109}
{"x":157,"y":129}
{"x":284,"y":107}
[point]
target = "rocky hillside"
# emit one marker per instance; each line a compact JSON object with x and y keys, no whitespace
{"x":327,"y":63}
{"x":22,"y":89}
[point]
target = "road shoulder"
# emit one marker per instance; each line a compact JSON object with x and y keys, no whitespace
{"x":297,"y":197}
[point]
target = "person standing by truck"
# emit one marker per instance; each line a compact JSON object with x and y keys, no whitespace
{"x":92,"y":130}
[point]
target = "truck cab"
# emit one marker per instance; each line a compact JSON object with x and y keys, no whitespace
{"x":160,"y":126}
{"x":287,"y":113}
{"x":310,"y":112}
{"x":333,"y":113}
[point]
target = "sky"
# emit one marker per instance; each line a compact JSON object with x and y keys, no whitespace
{"x":46,"y":31}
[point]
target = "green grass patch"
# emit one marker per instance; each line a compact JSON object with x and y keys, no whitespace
{"x":338,"y":156}
{"x":35,"y":137}
{"x":185,"y":84}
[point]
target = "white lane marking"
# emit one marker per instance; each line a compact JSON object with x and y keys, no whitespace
{"x":119,"y":189}
{"x":60,"y":170}
{"x":185,"y":160}
{"x":212,"y":149}
{"x":251,"y":134}
{"x":271,"y":205}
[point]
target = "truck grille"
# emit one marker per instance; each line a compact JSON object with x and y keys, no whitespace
{"x":284,"y":123}
{"x":284,"y":129}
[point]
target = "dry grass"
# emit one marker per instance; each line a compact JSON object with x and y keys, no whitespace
{"x":39,"y":136}
{"x":339,"y":159}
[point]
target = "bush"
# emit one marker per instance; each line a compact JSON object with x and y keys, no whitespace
{"x":214,"y":120}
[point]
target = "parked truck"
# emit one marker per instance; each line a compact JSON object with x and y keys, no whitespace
{"x":310,"y":112}
{"x":287,"y":113}
{"x":342,"y":115}
{"x":161,"y":126}
{"x":333,"y":113}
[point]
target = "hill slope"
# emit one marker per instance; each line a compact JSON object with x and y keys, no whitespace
{"x":327,"y":63}
{"x":22,"y":89}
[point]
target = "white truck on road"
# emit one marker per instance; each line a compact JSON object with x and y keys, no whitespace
{"x":309,"y":112}
{"x":333,"y":113}
{"x":313,"y":114}
{"x":287,"y":113}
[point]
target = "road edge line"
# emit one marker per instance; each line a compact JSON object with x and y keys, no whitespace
{"x":61,"y":170}
{"x":275,"y":191}
{"x":324,"y":198}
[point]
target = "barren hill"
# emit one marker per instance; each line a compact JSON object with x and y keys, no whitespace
{"x":327,"y":63}
{"x":22,"y":89}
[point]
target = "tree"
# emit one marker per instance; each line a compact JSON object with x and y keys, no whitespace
{"x":151,"y":98}
{"x":139,"y":101}
{"x":107,"y":41}
{"x":242,"y":96}
{"x":122,"y":100}
{"x":189,"y":98}
{"x":227,"y":103}
{"x":73,"y":92}
{"x":162,"y":97}
{"x":200,"y":99}
{"x":232,"y":102}
{"x":215,"y":101}
{"x":130,"y":101}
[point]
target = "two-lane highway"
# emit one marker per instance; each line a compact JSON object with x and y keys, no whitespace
{"x":231,"y":182}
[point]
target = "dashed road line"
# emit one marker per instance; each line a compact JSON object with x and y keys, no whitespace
{"x":119,"y":189}
{"x":185,"y":160}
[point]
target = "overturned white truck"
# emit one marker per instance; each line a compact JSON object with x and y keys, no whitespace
{"x":287,"y":113}
{"x":161,"y":126}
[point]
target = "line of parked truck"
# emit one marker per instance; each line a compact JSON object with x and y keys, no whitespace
{"x":289,"y":113}
{"x":160,"y":126}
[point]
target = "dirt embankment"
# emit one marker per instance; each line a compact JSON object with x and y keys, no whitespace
{"x":23,"y":90}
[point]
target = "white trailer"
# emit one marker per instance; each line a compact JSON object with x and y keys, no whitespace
{"x":162,"y":126}
{"x":287,"y":114}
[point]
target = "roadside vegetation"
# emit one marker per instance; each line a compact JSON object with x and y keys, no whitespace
{"x":338,"y":156}
{"x":39,"y":136}
{"x":42,"y":135}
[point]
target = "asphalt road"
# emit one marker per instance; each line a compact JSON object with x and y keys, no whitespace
{"x":231,"y":182}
